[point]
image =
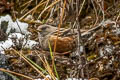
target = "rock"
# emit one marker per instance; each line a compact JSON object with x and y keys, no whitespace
{"x":4,"y":64}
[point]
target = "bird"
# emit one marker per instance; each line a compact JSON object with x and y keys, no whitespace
{"x":66,"y":39}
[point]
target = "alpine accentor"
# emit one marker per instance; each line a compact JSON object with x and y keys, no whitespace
{"x":66,"y":40}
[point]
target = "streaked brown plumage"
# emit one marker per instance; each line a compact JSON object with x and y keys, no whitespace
{"x":65,"y":42}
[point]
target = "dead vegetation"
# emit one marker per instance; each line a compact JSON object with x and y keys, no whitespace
{"x":98,"y":47}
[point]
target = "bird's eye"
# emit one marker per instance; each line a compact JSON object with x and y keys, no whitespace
{"x":44,"y":28}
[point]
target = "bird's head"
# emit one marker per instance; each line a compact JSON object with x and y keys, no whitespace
{"x":46,"y":29}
